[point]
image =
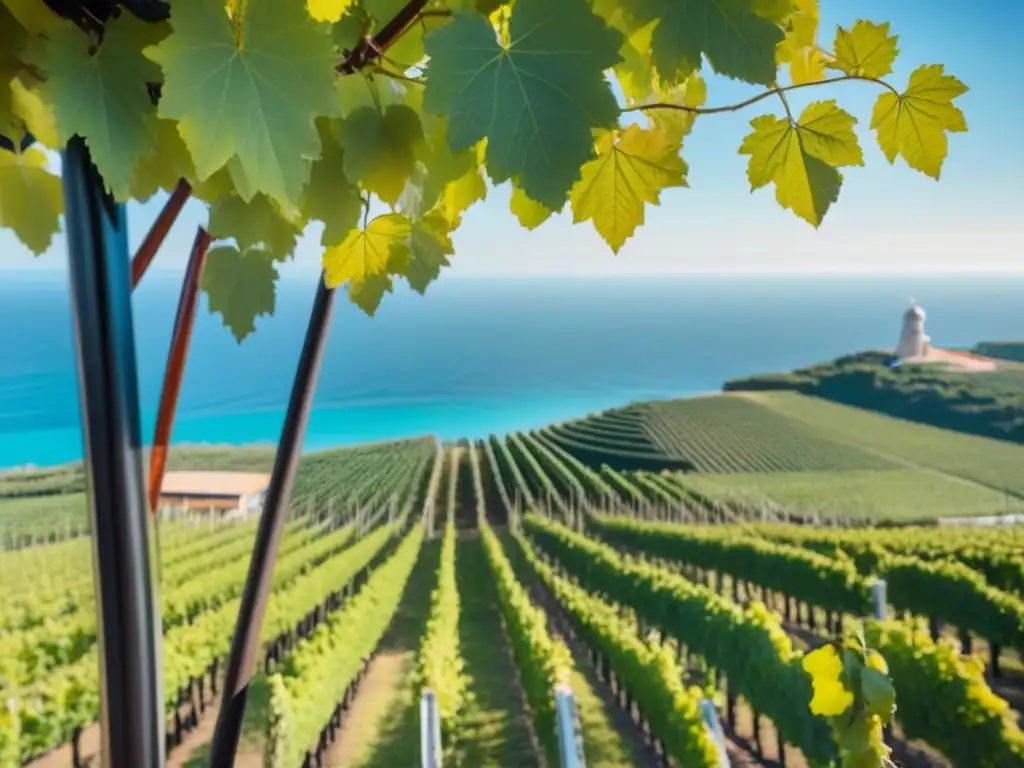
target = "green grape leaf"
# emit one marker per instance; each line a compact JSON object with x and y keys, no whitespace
{"x":801,"y":158}
{"x":736,"y":40}
{"x":368,"y":292}
{"x":800,"y":47}
{"x":879,"y":695}
{"x":102,"y":95}
{"x":431,"y":246}
{"x":253,"y":223}
{"x":865,"y":50}
{"x":409,"y":49}
{"x":367,"y":253}
{"x":162,"y":169}
{"x":632,"y":167}
{"x":380,"y":148}
{"x":249,"y":89}
{"x":530,"y":213}
{"x":364,"y":89}
{"x":913,"y":124}
{"x":350,"y":29}
{"x":330,"y":196}
{"x":328,"y":10}
{"x":31,"y":201}
{"x":240,"y":286}
{"x":516,"y":96}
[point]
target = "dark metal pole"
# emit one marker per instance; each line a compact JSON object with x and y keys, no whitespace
{"x":246,"y":641}
{"x":129,"y":638}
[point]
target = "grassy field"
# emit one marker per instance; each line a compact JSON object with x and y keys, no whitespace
{"x":901,"y":494}
{"x":993,"y":463}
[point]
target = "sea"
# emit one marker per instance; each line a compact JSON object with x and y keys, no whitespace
{"x":476,"y":355}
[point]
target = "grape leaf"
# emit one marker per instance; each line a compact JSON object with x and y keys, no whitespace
{"x":368,"y":292}
{"x":366,"y":253}
{"x":517,"y":97}
{"x":866,"y":50}
{"x":330,"y":196}
{"x":34,"y":16}
{"x":736,"y":40}
{"x":169,"y":162}
{"x":103,"y":97}
{"x":328,"y":10}
{"x":914,"y":123}
{"x":380,"y":148}
{"x":240,"y":286}
{"x":430,"y":245}
{"x":364,"y":89}
{"x":31,"y":201}
{"x":632,"y":167}
{"x":800,"y":48}
{"x":249,"y":88}
{"x":28,"y":104}
{"x":253,"y":223}
{"x":462,"y":193}
{"x":530,"y":213}
{"x":801,"y":158}
{"x":677,"y":123}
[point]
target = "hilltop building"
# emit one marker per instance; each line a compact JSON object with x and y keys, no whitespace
{"x":221,"y":495}
{"x":913,"y":340}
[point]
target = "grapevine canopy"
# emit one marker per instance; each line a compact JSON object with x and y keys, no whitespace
{"x":385,"y":119}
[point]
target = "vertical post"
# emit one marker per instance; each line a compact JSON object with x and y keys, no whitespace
{"x":879,"y":597}
{"x":430,"y":731}
{"x":714,"y":729}
{"x":128,"y":629}
{"x":246,"y":639}
{"x":569,"y":735}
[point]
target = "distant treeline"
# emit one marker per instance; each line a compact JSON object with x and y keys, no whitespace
{"x":987,"y":404}
{"x":1002,"y":350}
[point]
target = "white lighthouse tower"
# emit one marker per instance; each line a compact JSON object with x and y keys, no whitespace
{"x":913,"y":341}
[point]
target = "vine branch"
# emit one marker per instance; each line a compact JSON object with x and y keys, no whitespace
{"x":370,"y":48}
{"x":775,"y":91}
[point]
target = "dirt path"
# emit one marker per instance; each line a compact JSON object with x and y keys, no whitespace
{"x":382,"y":727}
{"x":496,"y":731}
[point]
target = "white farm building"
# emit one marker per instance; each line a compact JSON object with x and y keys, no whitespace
{"x":224,"y":495}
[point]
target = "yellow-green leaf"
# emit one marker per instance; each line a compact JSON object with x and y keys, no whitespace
{"x":366,"y":253}
{"x":430,"y":245}
{"x":328,"y":10}
{"x":800,"y":47}
{"x":37,"y":114}
{"x":30,"y":198}
{"x":913,"y":124}
{"x":631,"y":169}
{"x":865,"y":50}
{"x":530,"y":213}
{"x":802,"y":158}
{"x":249,"y":88}
{"x":677,"y":123}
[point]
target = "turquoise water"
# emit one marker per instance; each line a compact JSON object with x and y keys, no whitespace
{"x":474,"y":356}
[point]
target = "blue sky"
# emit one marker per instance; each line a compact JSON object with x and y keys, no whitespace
{"x":888,"y":218}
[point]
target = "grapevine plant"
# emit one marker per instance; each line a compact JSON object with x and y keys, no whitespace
{"x":853,"y":691}
{"x":384,"y":120}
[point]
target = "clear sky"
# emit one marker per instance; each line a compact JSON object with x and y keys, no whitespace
{"x":888,"y":218}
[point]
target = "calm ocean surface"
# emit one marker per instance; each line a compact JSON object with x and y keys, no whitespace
{"x":475,"y":356}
